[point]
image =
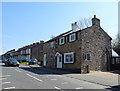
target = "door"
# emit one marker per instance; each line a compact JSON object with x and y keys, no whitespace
{"x":59,"y":61}
{"x":44,"y":61}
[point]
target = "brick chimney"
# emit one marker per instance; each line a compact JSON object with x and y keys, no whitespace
{"x":95,"y":21}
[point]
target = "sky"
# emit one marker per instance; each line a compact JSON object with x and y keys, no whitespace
{"x":24,"y":23}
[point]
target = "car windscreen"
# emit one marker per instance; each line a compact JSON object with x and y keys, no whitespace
{"x":13,"y":60}
{"x":33,"y":60}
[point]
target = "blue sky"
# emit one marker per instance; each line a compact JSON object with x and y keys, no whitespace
{"x":26,"y":22}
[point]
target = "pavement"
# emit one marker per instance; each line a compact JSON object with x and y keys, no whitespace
{"x":103,"y":78}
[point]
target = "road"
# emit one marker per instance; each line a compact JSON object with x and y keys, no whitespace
{"x":24,"y":77}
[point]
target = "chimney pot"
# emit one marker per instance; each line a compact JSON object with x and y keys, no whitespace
{"x":94,"y":16}
{"x":74,"y":26}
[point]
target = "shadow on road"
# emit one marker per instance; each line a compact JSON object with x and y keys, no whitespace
{"x":114,"y":88}
{"x":46,"y":71}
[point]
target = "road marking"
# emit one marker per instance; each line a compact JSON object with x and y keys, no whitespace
{"x":56,"y":87}
{"x":3,"y":79}
{"x":5,"y":82}
{"x":9,"y":88}
{"x":5,"y":76}
{"x":64,"y":83}
{"x":17,"y":70}
{"x":34,"y":77}
{"x":79,"y":88}
{"x":53,"y":79}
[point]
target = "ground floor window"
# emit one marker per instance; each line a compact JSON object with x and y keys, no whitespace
{"x":86,"y":56}
{"x":69,"y":57}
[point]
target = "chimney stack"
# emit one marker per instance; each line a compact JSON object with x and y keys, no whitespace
{"x":41,"y":41}
{"x":95,"y":21}
{"x":74,"y":26}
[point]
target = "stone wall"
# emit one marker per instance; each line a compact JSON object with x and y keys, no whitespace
{"x":71,"y":47}
{"x":37,"y":52}
{"x":98,"y":45}
{"x":50,"y":55}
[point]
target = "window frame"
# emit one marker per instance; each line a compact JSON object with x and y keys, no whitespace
{"x":72,"y":36}
{"x":52,"y":44}
{"x":73,"y":57}
{"x":86,"y":56}
{"x":61,"y":43}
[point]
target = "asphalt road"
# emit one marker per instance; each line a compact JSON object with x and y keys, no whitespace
{"x":24,"y":77}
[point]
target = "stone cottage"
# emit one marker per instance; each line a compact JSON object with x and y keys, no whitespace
{"x":83,"y":50}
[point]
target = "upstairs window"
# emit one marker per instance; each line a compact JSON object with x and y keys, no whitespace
{"x":72,"y":37}
{"x":61,"y":41}
{"x":52,"y":44}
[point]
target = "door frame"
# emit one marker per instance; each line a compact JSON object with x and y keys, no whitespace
{"x":58,"y":62}
{"x":44,"y":61}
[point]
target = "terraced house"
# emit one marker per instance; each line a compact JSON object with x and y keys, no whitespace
{"x":83,"y":50}
{"x":37,"y":51}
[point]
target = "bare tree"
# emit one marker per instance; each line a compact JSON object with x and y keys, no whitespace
{"x":52,"y":36}
{"x":116,"y":43}
{"x":84,"y":23}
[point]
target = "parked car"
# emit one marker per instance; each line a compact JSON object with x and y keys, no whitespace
{"x":32,"y":61}
{"x":4,"y":60}
{"x":11,"y":62}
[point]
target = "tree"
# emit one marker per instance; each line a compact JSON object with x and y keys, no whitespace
{"x":116,"y":44}
{"x":84,"y":23}
{"x":52,"y":36}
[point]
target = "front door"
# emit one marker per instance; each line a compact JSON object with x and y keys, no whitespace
{"x":59,"y":61}
{"x":44,"y":62}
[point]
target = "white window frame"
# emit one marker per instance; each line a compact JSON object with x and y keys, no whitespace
{"x":52,"y":44}
{"x":69,"y":54}
{"x":70,"y":37}
{"x":61,"y":43}
{"x":29,"y":50}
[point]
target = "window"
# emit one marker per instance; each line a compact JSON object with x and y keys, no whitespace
{"x":86,"y":56}
{"x":61,"y":41}
{"x":52,"y":44}
{"x":72,"y":37}
{"x":69,"y":57}
{"x":113,"y":61}
{"x":51,"y":56}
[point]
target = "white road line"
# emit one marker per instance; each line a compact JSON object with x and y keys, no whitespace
{"x":34,"y":77}
{"x":3,"y":79}
{"x":56,"y":87}
{"x":53,"y":79}
{"x":5,"y":76}
{"x":79,"y":88}
{"x":9,"y":88}
{"x":5,"y":82}
{"x":17,"y":70}
{"x":64,"y":83}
